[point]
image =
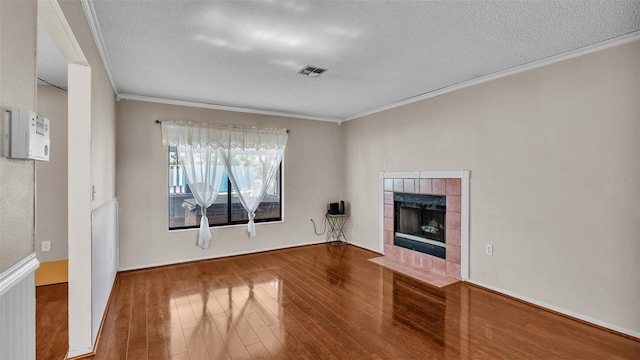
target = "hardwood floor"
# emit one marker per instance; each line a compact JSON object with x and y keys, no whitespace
{"x":51,"y":322}
{"x":321,"y":302}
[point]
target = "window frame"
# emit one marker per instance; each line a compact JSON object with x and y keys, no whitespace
{"x":229,"y":223}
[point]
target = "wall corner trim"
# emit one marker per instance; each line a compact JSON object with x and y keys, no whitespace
{"x":17,"y":272}
{"x":51,"y":18}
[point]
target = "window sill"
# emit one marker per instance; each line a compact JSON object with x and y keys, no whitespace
{"x":227,"y":226}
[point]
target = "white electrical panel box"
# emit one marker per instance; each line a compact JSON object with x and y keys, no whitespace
{"x":28,"y":135}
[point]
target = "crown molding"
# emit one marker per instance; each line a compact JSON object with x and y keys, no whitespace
{"x":620,"y":40}
{"x":90,"y":14}
{"x":222,"y":107}
{"x":94,"y":26}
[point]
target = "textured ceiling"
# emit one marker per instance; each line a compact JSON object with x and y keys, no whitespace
{"x":247,"y":54}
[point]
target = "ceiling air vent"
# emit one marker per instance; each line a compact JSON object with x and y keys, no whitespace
{"x":311,"y":71}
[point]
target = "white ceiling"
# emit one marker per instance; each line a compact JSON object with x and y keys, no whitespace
{"x":247,"y":54}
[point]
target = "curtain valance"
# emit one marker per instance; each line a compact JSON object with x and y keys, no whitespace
{"x":183,"y":133}
{"x":203,"y":148}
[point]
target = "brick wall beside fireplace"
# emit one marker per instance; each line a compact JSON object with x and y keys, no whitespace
{"x":451,"y":188}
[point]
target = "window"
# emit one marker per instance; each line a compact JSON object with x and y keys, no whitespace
{"x":227,"y":209}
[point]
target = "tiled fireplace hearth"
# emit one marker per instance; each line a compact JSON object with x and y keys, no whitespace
{"x":449,"y":238}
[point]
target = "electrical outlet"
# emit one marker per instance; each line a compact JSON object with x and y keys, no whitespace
{"x":46,"y":246}
{"x":488,"y":249}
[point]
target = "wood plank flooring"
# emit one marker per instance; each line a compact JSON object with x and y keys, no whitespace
{"x":51,"y":322}
{"x":322,"y":302}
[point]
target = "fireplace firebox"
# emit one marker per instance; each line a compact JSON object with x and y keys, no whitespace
{"x":420,"y":223}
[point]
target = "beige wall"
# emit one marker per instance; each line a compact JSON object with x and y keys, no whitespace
{"x":17,"y":88}
{"x":555,"y":168}
{"x":311,"y":180}
{"x":103,"y":105}
{"x":51,"y":178}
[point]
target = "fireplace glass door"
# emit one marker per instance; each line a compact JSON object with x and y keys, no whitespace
{"x":419,"y":222}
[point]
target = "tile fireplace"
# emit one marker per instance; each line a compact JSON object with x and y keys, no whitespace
{"x":423,"y":221}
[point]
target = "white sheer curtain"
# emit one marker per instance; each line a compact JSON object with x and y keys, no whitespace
{"x":251,"y":157}
{"x":200,"y":165}
{"x":251,"y":173}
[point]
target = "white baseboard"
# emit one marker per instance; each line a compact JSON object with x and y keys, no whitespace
{"x":377,"y":251}
{"x":217,"y":256}
{"x":79,"y":352}
{"x":560,"y":310}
